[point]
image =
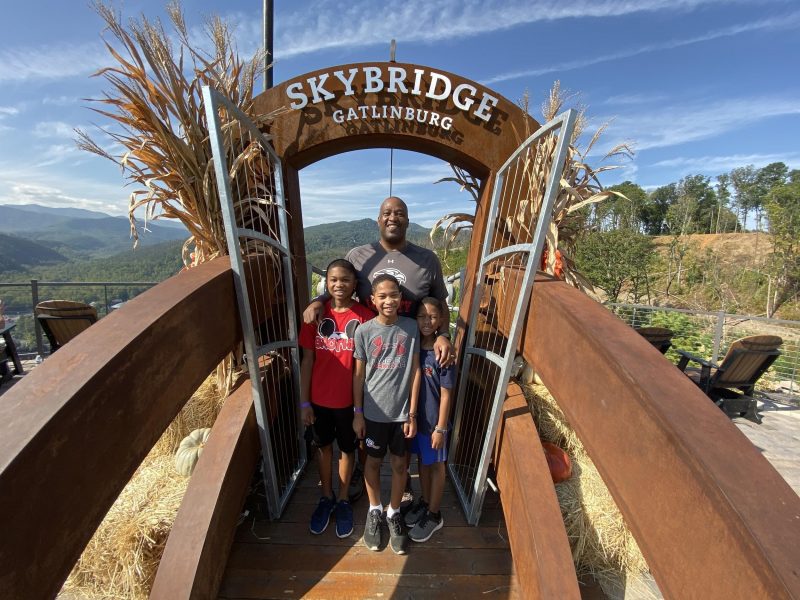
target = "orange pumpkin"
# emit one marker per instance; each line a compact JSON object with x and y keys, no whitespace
{"x":558,"y":461}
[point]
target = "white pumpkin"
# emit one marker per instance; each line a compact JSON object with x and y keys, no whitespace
{"x":190,"y":450}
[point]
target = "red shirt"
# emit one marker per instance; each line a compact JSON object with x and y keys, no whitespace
{"x":333,"y":341}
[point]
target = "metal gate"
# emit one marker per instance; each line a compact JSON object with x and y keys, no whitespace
{"x":249,"y":180}
{"x":525,"y":189}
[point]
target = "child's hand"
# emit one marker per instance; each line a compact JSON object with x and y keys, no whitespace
{"x":410,"y":428}
{"x":307,"y":415}
{"x":437,"y":440}
{"x":359,"y":426}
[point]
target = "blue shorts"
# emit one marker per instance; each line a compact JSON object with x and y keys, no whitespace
{"x":421,"y":445}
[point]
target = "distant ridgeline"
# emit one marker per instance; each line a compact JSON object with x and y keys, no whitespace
{"x":329,"y":241}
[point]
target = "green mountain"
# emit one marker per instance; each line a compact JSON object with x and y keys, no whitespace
{"x":18,"y":253}
{"x":77,"y":233}
{"x":329,"y":241}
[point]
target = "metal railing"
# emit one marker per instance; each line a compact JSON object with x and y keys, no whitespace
{"x":710,"y":334}
{"x":107,"y":303}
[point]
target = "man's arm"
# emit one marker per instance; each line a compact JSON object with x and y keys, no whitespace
{"x":359,"y":375}
{"x":443,"y":346}
{"x":306,"y":367}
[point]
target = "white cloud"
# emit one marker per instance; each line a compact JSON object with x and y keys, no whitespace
{"x":330,"y":24}
{"x":353,"y":188}
{"x":61,"y":100}
{"x":51,"y":62}
{"x":51,"y":129}
{"x":775,"y":23}
{"x":22,"y":192}
{"x":6,"y":111}
{"x":721,"y":164}
{"x":633,"y":99}
{"x":678,"y":124}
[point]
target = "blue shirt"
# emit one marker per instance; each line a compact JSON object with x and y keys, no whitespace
{"x":434,"y":378}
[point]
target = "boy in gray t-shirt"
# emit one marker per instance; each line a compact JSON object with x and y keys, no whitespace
{"x":385,"y":390}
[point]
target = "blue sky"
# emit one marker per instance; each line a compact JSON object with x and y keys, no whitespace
{"x":699,"y":86}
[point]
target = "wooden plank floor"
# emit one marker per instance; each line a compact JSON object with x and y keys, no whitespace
{"x":283,"y":559}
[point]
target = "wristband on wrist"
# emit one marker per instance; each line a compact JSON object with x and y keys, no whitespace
{"x":412,"y":415}
{"x":305,"y":405}
{"x":439,"y":430}
{"x":358,"y":410}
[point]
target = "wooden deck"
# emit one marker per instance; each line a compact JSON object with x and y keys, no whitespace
{"x":283,"y":560}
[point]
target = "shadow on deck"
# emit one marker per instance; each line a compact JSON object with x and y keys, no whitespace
{"x":282,"y":559}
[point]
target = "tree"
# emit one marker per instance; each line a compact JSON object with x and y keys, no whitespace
{"x":767,"y":178}
{"x":616,"y":262}
{"x":783,"y":212}
{"x":654,"y":214}
{"x":744,"y":184}
{"x":622,"y":210}
{"x":698,"y":191}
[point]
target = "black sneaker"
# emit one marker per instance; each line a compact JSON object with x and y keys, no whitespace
{"x":356,"y":488}
{"x":426,"y":527}
{"x":415,"y":512}
{"x":322,"y":515}
{"x":397,"y":539}
{"x":344,"y":519}
{"x":372,"y":530}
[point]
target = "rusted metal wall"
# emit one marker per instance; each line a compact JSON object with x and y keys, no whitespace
{"x":539,"y":544}
{"x":712,"y":517}
{"x":200,"y":540}
{"x":75,"y":429}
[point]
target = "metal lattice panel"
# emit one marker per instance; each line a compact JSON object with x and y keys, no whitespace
{"x":521,"y":210}
{"x":249,"y":180}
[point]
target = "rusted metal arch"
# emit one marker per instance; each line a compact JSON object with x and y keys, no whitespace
{"x":74,"y":430}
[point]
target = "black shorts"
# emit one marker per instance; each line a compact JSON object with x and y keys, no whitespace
{"x":334,"y":424}
{"x":380,"y":436}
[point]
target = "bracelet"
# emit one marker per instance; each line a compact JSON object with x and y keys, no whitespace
{"x":358,"y":410}
{"x":439,"y":430}
{"x":305,"y":405}
{"x":412,"y":415}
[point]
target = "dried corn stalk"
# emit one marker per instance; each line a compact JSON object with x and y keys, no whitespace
{"x":580,"y":187}
{"x":159,"y":121}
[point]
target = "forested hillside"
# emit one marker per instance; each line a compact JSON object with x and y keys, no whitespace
{"x":18,"y":253}
{"x":76,"y":233}
{"x":649,"y":247}
{"x":329,"y":241}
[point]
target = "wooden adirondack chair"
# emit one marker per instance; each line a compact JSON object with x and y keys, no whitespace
{"x":660,"y":337}
{"x":746,"y":361}
{"x":62,"y":320}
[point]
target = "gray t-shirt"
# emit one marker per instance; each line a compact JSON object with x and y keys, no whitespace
{"x":388,"y":352}
{"x":416,"y":268}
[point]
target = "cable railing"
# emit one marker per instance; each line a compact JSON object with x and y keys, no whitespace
{"x":710,"y":334}
{"x":112,"y":295}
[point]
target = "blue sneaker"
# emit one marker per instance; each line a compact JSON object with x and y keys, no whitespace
{"x":322,"y":515}
{"x":344,"y":519}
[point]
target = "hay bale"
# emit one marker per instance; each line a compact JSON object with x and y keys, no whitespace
{"x":122,"y":557}
{"x":200,"y":411}
{"x":602,"y":546}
